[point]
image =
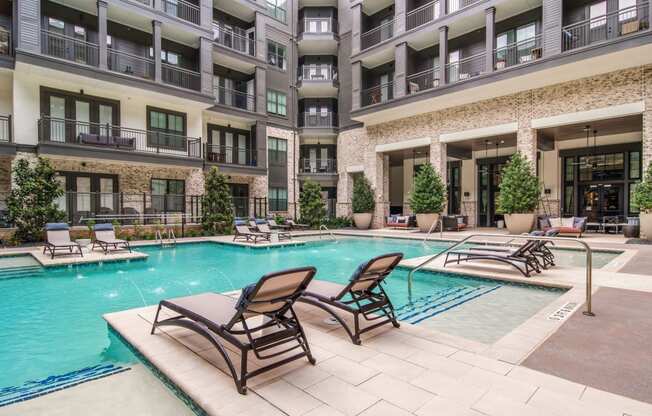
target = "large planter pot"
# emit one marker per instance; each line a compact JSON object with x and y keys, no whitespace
{"x":646,"y":225}
{"x":519,"y":223}
{"x":362,"y":221}
{"x":425,"y":221}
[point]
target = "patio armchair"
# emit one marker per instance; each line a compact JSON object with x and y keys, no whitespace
{"x":454,"y":222}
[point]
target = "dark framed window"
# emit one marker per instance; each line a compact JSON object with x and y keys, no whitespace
{"x":276,"y":103}
{"x":277,"y":150}
{"x":277,"y":10}
{"x":166,"y":129}
{"x":454,"y":187}
{"x":278,"y":199}
{"x":276,"y":54}
{"x":168,"y":195}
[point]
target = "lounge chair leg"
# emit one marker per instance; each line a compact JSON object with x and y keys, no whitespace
{"x":155,"y":320}
{"x":356,"y":323}
{"x":242,"y":383}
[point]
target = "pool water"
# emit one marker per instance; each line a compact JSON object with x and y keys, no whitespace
{"x":52,"y":319}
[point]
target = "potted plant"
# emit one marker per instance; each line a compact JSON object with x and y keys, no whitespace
{"x":428,"y":197}
{"x":519,"y":194}
{"x":642,"y":199}
{"x":362,"y":203}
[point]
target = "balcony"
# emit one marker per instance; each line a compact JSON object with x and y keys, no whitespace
{"x":69,"y":48}
{"x":318,"y":166}
{"x":230,"y":39}
{"x":235,"y":99}
{"x":316,"y":80}
{"x":181,"y":77}
{"x":377,"y":94}
{"x":607,"y":27}
{"x":5,"y":129}
{"x":465,"y":68}
{"x":422,"y":81}
{"x":103,"y":138}
{"x":518,"y":53}
{"x":377,"y":35}
{"x":5,"y":42}
{"x":235,"y":156}
{"x":130,"y":64}
{"x":422,"y":15}
{"x":182,"y":9}
{"x":320,"y":120}
{"x":454,"y":5}
{"x":318,"y":25}
{"x":318,"y":35}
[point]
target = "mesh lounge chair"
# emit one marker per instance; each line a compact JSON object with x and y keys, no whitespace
{"x":220,"y":318}
{"x":243,"y":231}
{"x":545,"y":258}
{"x":366,"y":296}
{"x":272,"y":223}
{"x":264,"y":228}
{"x":105,"y":239}
{"x":58,"y":239}
{"x":293,"y":225}
{"x":521,"y":259}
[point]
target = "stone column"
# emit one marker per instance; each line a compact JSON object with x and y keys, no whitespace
{"x":261,"y":144}
{"x":344,"y":193}
{"x":356,"y":27}
{"x":442,"y":8}
{"x":443,"y":53}
{"x":261,"y":90}
{"x":206,"y":14}
{"x":646,"y":156}
{"x":400,"y":69}
{"x":400,"y":7}
{"x":438,"y":158}
{"x":261,"y":47}
{"x":102,"y":32}
{"x":156,"y":44}
{"x":206,"y":65}
{"x":356,"y":85}
{"x":380,"y":184}
{"x":490,"y":38}
{"x":526,"y":136}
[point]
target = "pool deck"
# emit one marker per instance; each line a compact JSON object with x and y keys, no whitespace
{"x":406,"y":371}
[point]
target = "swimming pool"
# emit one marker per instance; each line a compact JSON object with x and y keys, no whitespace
{"x":52,"y":331}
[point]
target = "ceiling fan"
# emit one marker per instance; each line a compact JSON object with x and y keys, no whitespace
{"x":590,"y":161}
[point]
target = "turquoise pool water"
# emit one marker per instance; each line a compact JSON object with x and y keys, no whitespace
{"x":52,"y":325}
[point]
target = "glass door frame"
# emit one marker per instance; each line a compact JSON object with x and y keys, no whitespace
{"x":492,"y":163}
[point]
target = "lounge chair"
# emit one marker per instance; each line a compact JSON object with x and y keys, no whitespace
{"x":58,"y":239}
{"x":105,"y":239}
{"x":293,"y":225}
{"x":272,"y":223}
{"x":264,"y":228}
{"x":363,"y":295}
{"x":243,"y":231}
{"x":521,"y":258}
{"x":545,"y":258}
{"x":220,"y":318}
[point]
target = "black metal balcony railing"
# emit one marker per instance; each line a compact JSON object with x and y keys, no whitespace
{"x":377,"y":35}
{"x":5,"y":41}
{"x":5,"y":129}
{"x":422,"y":15}
{"x":182,"y":9}
{"x":238,"y":42}
{"x":57,"y":130}
{"x":318,"y":166}
{"x":423,"y":80}
{"x":454,"y":5}
{"x":518,"y":53}
{"x":69,"y":48}
{"x":610,"y":26}
{"x":318,"y":73}
{"x":181,"y":77}
{"x":233,"y":98}
{"x":130,"y":64}
{"x":320,"y":120}
{"x":377,"y":94}
{"x":229,"y":155}
{"x":466,"y":68}
{"x":318,"y":25}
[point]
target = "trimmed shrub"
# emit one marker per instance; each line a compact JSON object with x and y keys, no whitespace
{"x":519,"y":187}
{"x":429,"y":193}
{"x":363,"y":200}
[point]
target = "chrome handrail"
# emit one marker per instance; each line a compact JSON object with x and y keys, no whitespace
{"x":433,"y":227}
{"x":325,"y":228}
{"x":587,"y":249}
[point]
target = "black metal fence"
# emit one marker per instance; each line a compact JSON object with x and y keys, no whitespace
{"x":69,"y":48}
{"x":182,"y":9}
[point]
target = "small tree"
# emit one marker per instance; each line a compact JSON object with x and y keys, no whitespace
{"x":31,"y":202}
{"x":519,"y":187}
{"x":218,"y":204}
{"x":642,"y":198}
{"x":90,"y":224}
{"x":362,"y":200}
{"x":429,"y":193}
{"x":311,"y":204}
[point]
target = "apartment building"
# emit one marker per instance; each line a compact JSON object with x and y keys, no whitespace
{"x":464,"y":84}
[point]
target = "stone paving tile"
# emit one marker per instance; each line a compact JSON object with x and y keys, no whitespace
{"x":461,"y":393}
{"x":394,"y":367}
{"x":445,"y":407}
{"x":444,"y":365}
{"x":509,"y":388}
{"x":399,"y":393}
{"x":383,"y":408}
{"x":306,"y":376}
{"x":324,"y":410}
{"x":495,"y":404}
{"x":613,"y":401}
{"x":391,"y":343}
{"x":347,"y":370}
{"x":553,"y":402}
{"x":429,"y":346}
{"x":342,"y":396}
{"x":482,"y":362}
{"x":547,"y":381}
{"x":288,"y":398}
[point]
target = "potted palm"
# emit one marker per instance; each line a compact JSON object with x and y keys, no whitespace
{"x":362,"y":203}
{"x":519,"y":194}
{"x":428,"y":197}
{"x":642,"y":199}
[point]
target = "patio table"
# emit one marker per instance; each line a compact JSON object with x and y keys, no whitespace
{"x":594,"y":226}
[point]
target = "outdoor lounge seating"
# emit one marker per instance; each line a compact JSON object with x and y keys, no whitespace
{"x":363,"y":295}
{"x":104,"y":140}
{"x":220,"y":319}
{"x":294,"y":226}
{"x":454,"y":222}
{"x":542,"y":254}
{"x":105,"y":238}
{"x":58,"y":240}
{"x":573,"y":226}
{"x":242,"y":231}
{"x":521,"y":259}
{"x":264,"y":228}
{"x":401,"y":221}
{"x":274,"y":225}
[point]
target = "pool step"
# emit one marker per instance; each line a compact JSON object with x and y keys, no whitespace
{"x":442,"y":301}
{"x":20,"y":271}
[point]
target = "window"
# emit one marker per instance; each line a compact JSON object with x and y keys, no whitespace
{"x":276,"y":102}
{"x":276,"y":9}
{"x":278,"y":199}
{"x":276,"y":54}
{"x":597,"y":12}
{"x":167,"y":57}
{"x":168,"y":195}
{"x":167,"y":129}
{"x":277,"y":150}
{"x":56,"y":25}
{"x":634,"y":165}
{"x":626,"y":10}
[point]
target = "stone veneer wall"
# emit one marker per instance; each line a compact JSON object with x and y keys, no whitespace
{"x":357,"y":146}
{"x":293,"y":163}
{"x":5,"y":175}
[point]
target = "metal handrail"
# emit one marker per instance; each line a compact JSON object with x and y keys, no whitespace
{"x":433,"y":227}
{"x":587,"y":249}
{"x":325,"y":228}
